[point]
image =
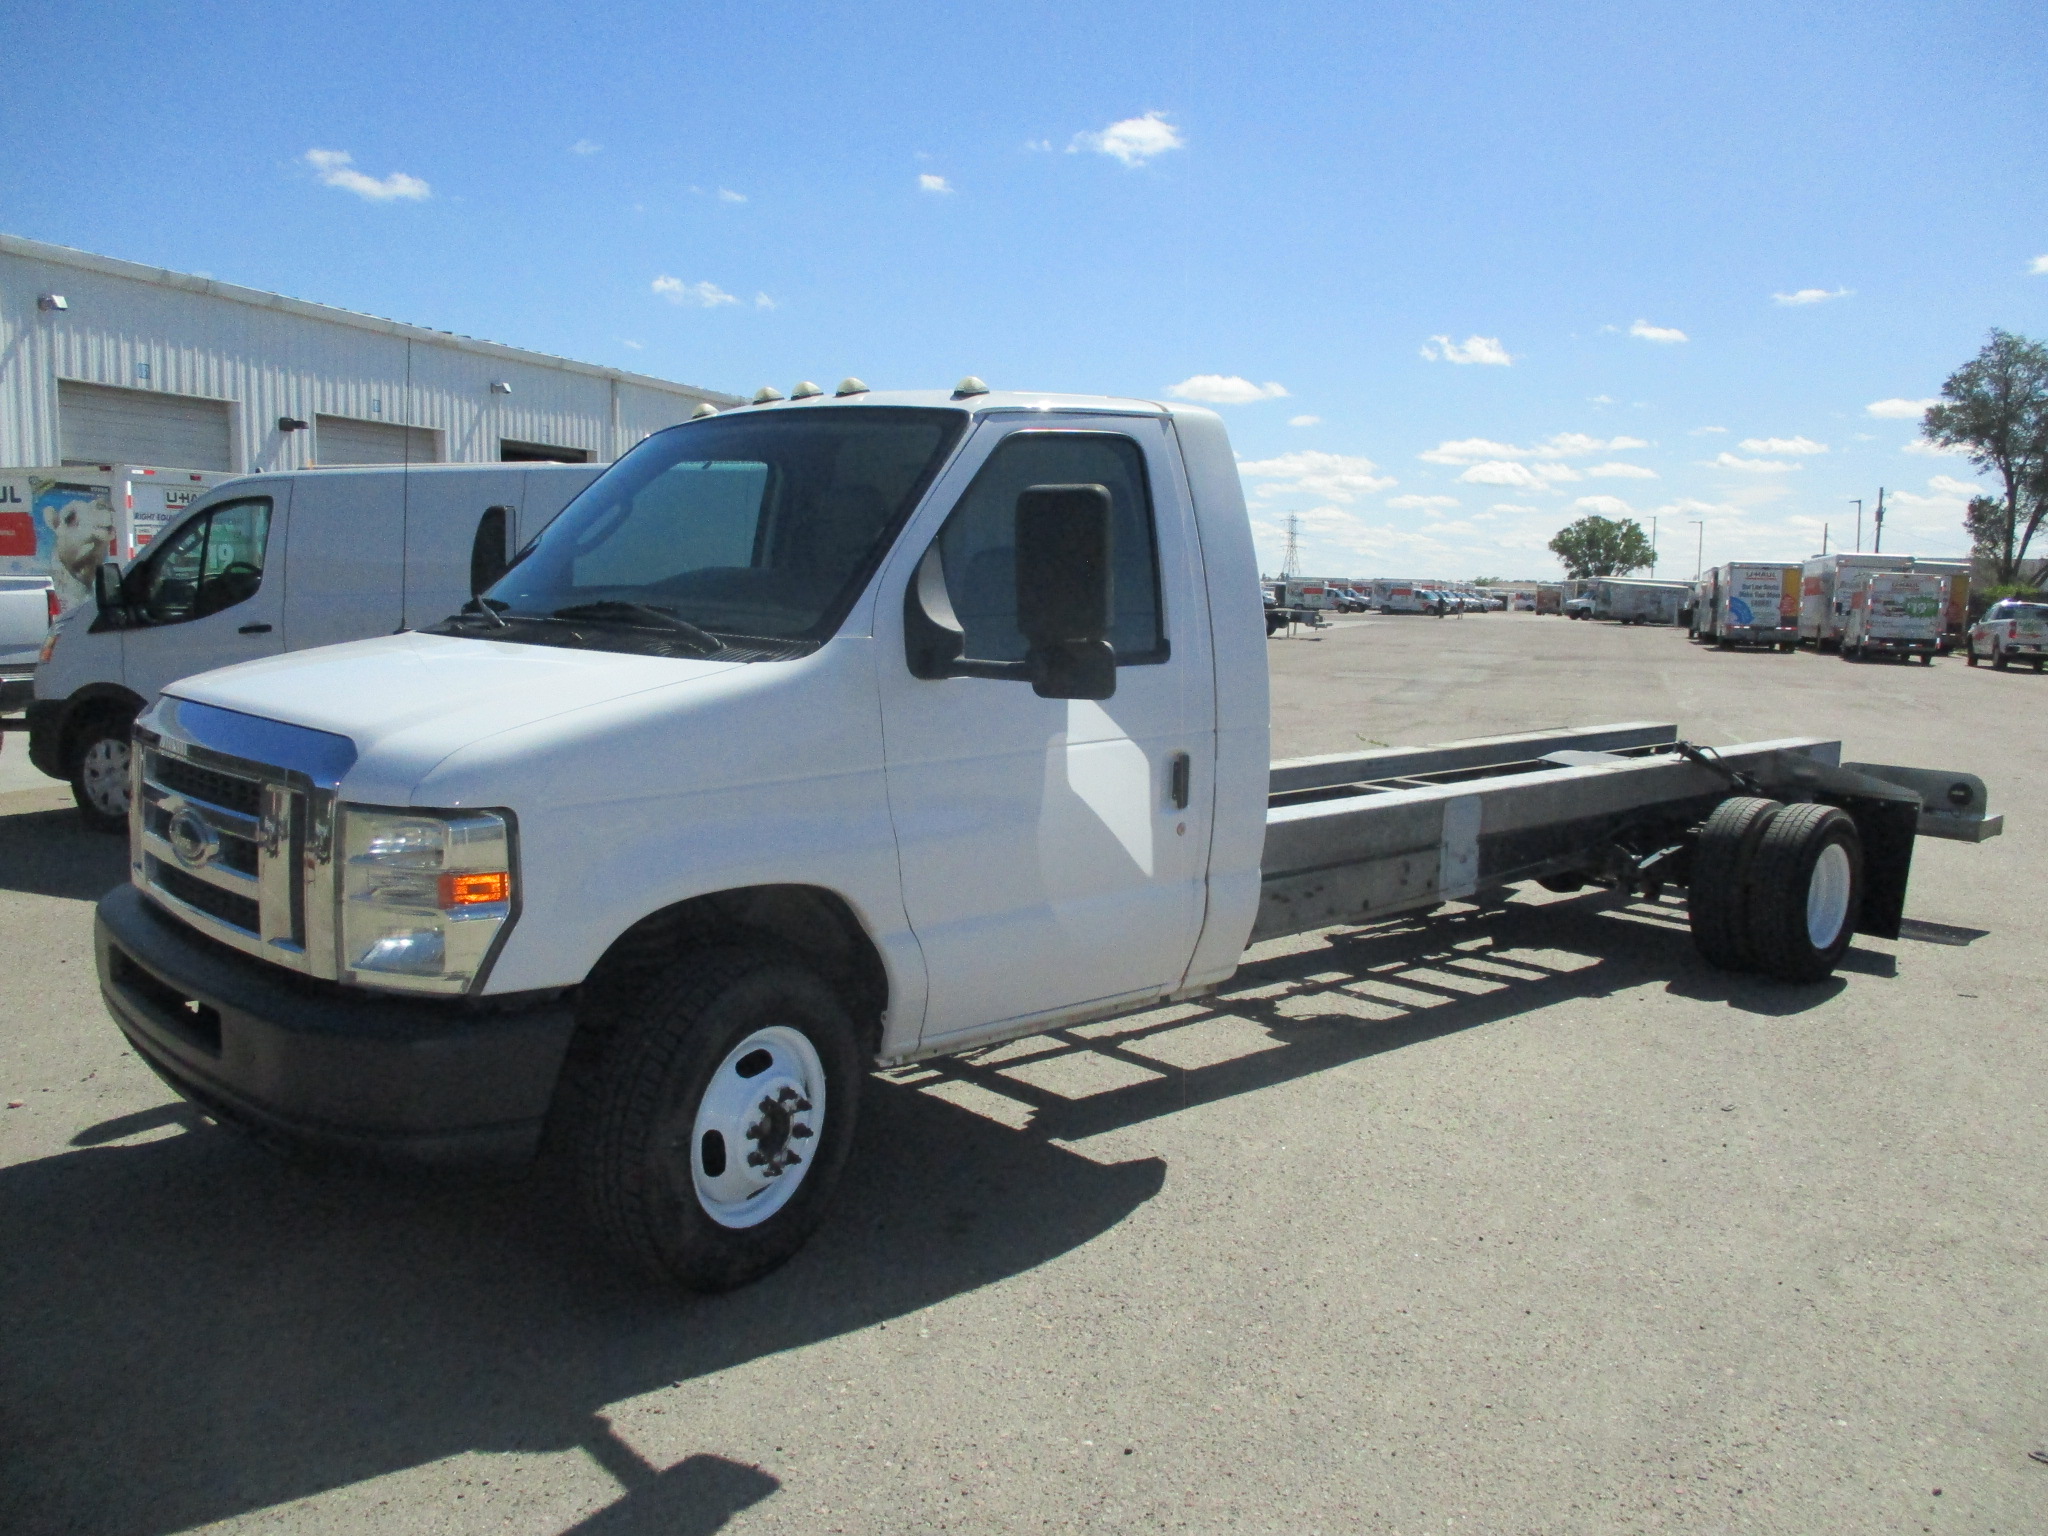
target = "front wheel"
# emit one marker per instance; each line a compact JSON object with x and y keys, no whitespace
{"x":716,"y":1117}
{"x":99,"y":773}
{"x":1970,"y":656}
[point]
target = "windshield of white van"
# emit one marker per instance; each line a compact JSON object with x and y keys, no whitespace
{"x":724,"y":533}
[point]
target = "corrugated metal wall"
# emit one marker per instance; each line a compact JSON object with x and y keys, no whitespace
{"x":270,"y":358}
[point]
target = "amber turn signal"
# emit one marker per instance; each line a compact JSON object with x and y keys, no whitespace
{"x":475,"y":890}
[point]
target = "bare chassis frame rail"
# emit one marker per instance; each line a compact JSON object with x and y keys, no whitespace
{"x":1359,"y":837}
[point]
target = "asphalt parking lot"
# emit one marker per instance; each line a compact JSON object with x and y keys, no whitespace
{"x":1509,"y":1220}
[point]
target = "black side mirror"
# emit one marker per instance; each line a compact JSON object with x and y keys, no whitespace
{"x":107,"y":596}
{"x":1063,"y":590}
{"x":488,"y":553}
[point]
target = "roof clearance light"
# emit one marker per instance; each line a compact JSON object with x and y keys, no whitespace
{"x":851,"y":386}
{"x":766,"y":393}
{"x":969,"y":386}
{"x":805,"y":391}
{"x":704,"y":408}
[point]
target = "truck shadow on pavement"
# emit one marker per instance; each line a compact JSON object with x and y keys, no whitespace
{"x":195,"y":1329}
{"x":52,"y":853}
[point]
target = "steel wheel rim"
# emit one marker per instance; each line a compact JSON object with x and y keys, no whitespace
{"x":1827,"y":896}
{"x":104,"y":774}
{"x":756,"y":1130}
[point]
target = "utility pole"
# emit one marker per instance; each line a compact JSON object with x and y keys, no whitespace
{"x":1859,"y":524}
{"x":1823,"y":538}
{"x":1699,"y":558}
{"x":1877,"y":546}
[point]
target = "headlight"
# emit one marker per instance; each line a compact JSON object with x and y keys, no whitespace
{"x":425,"y":896}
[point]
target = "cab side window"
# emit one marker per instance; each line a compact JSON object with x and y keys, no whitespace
{"x":977,"y":546}
{"x":214,"y":562}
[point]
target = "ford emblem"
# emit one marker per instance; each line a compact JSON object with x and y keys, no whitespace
{"x":192,"y":839}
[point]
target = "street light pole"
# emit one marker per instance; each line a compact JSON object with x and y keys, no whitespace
{"x":1699,"y":558}
{"x":1653,"y":547}
{"x":1859,"y":524}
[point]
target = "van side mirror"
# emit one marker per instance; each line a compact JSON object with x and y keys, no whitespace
{"x":1063,"y":590}
{"x":489,"y":557}
{"x":107,"y":596}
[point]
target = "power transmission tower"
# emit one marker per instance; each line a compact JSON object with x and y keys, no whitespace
{"x":1290,"y":562}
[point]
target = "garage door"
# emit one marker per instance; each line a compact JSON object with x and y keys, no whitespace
{"x":347,"y":440}
{"x":99,"y":424}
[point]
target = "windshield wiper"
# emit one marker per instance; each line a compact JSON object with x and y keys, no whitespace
{"x":647,"y":616}
{"x":482,"y":606}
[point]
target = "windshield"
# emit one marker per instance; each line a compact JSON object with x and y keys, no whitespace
{"x":762,"y":527}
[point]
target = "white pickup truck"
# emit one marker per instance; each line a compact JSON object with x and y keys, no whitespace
{"x":28,"y":607}
{"x":844,"y":731}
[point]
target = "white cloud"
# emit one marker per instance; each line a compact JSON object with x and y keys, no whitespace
{"x":333,"y":167}
{"x":1811,"y":296}
{"x":1793,"y":445}
{"x":1900,"y":410}
{"x":1041,"y":146}
{"x":727,"y":195}
{"x":1658,"y":333}
{"x":1340,"y":477}
{"x":637,"y":346}
{"x":585,"y":147}
{"x":1601,"y":400}
{"x":2038,"y":267}
{"x":1605,"y":506}
{"x":1954,"y":487}
{"x":762,"y":301}
{"x":930,"y":183}
{"x":1224,"y":389}
{"x":1304,"y":421}
{"x":1511,"y":506}
{"x":1414,"y":503}
{"x":1523,"y":477}
{"x":1618,"y":471}
{"x":1753,"y":466}
{"x":1473,"y":349}
{"x":1133,"y":140}
{"x":1562,"y":445}
{"x":704,"y":295}
{"x":1934,"y":450}
{"x":1704,"y":431}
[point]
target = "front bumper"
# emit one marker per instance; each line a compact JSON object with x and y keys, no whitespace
{"x":447,"y":1083}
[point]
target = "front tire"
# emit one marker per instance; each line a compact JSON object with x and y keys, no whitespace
{"x":1970,"y":655}
{"x":100,"y":757}
{"x":716,"y":1117}
{"x":1805,"y":892}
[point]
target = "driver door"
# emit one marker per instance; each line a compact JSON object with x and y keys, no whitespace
{"x":201,"y":598}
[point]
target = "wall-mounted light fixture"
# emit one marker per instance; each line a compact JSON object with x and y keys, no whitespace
{"x":290,"y":424}
{"x":52,"y":301}
{"x":500,"y":387}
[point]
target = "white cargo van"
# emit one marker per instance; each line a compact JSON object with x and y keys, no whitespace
{"x":272,"y":563}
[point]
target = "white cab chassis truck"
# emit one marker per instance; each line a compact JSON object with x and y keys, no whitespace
{"x":839,"y":732}
{"x":1747,"y":603}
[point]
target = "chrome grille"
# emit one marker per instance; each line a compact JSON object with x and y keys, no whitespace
{"x":240,"y":850}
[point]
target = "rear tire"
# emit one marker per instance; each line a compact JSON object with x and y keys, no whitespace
{"x":682,"y":1173}
{"x":1718,"y":896}
{"x":1805,"y":892}
{"x":1998,"y":657}
{"x":99,"y":770}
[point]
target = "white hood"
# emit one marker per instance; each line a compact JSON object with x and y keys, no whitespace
{"x":408,"y":701}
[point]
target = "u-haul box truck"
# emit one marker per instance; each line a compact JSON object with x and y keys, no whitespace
{"x":62,"y":521}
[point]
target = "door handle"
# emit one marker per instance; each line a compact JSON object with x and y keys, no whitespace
{"x":1179,"y":770}
{"x":253,"y":629}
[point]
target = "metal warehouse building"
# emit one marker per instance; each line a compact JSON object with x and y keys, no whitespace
{"x":107,"y":362}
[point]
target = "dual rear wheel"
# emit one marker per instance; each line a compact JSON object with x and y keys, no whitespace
{"x":1776,"y":888}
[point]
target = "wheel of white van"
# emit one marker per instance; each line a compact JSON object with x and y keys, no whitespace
{"x":99,"y":773}
{"x":1805,"y":892}
{"x":1717,"y":897}
{"x":717,"y":1117}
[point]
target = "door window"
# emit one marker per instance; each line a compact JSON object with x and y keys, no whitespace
{"x":978,"y":545}
{"x":215,"y":561}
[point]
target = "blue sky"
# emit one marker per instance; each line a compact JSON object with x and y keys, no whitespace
{"x":1508,"y":262}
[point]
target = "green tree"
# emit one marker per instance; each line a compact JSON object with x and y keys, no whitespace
{"x":1603,"y":546}
{"x":1995,"y":408}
